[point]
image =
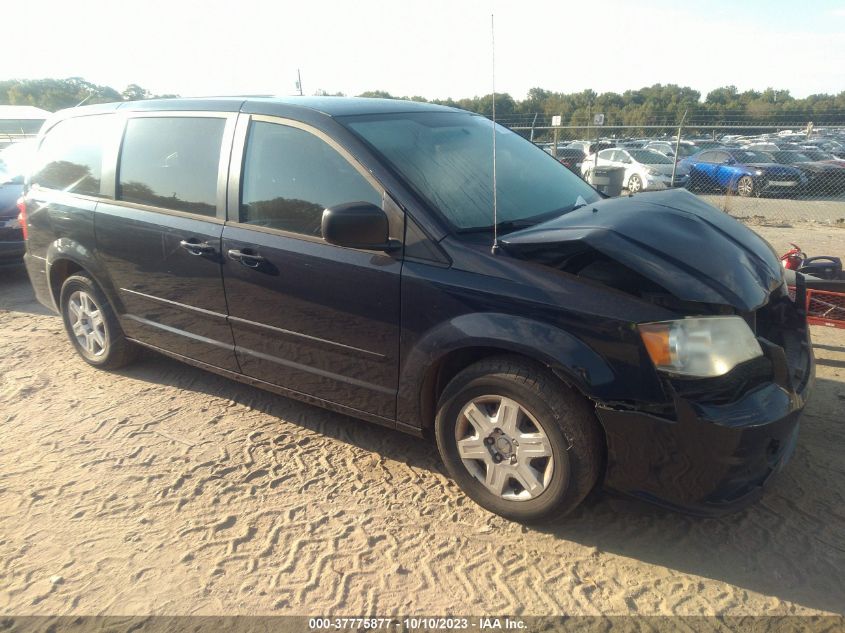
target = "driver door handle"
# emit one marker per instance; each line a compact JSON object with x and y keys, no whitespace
{"x":195,"y":247}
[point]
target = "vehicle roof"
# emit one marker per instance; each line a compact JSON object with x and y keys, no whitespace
{"x":330,"y":106}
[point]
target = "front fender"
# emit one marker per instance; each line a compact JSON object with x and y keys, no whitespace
{"x":567,"y":355}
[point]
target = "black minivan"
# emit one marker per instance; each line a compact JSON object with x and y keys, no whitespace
{"x":345,"y":252}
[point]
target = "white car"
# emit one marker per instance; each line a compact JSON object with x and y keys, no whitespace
{"x":644,"y":168}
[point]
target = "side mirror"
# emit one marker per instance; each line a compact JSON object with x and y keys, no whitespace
{"x":358,"y":225}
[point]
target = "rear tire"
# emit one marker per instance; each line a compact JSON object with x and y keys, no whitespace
{"x":92,"y":325}
{"x":517,"y":441}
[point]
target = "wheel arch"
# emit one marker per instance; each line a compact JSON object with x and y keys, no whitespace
{"x":448,"y":349}
{"x":65,"y":258}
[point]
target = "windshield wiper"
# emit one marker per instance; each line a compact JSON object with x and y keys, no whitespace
{"x":505,"y":226}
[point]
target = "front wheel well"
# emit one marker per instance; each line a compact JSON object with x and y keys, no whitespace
{"x":445,"y":369}
{"x":60,"y":270}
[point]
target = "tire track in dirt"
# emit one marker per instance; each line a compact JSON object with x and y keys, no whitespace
{"x":165,"y":489}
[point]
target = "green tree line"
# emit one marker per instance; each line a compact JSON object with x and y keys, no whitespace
{"x":653,"y":105}
{"x":55,"y":94}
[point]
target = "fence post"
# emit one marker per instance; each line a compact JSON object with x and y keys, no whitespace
{"x":678,"y":146}
{"x":533,"y":123}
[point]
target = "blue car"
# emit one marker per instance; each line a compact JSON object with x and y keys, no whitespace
{"x":742,"y":171}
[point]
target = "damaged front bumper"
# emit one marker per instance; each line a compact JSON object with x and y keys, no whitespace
{"x":714,"y":452}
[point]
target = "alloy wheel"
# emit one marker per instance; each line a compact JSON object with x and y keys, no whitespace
{"x":745,"y":186}
{"x":505,"y":448}
{"x":87,"y":324}
{"x":634,"y":184}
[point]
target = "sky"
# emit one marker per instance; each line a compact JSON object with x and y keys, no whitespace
{"x":435,"y":49}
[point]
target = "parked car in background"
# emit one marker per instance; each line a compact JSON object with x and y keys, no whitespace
{"x":741,"y":171}
{"x":822,"y":156}
{"x":340,"y":251}
{"x":632,"y":143}
{"x":667,"y":148}
{"x":590,"y":147}
{"x":823,"y":177}
{"x":14,"y":161}
{"x":572,"y":158}
{"x":762,"y":147}
{"x":645,"y":169}
{"x":701,"y":144}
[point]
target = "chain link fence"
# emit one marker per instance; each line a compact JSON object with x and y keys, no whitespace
{"x":774,"y":172}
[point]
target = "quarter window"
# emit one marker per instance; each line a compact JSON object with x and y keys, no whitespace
{"x":71,"y":156}
{"x":171,"y":162}
{"x":290,"y":176}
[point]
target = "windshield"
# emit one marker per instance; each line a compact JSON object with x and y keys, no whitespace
{"x":649,"y":157}
{"x":817,"y":155}
{"x":448,"y":159}
{"x":790,"y":157}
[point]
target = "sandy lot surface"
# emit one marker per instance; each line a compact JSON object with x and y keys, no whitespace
{"x":163,"y":489}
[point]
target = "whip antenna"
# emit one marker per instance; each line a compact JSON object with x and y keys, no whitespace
{"x":495,"y":196}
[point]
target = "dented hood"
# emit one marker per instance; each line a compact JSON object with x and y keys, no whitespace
{"x":679,"y":242}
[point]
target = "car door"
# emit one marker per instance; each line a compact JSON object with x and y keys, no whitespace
{"x":726,"y":170}
{"x":704,"y":169}
{"x":620,"y":158}
{"x":160,"y":236}
{"x":308,"y":316}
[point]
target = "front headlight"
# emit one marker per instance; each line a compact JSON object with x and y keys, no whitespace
{"x":652,"y":172}
{"x":759,"y":172}
{"x":700,"y":347}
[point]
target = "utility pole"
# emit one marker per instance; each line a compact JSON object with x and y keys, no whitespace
{"x":678,"y":146}
{"x":533,"y":123}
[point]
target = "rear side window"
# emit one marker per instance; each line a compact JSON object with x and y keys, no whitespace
{"x":71,"y":156}
{"x":171,"y":162}
{"x":290,"y":176}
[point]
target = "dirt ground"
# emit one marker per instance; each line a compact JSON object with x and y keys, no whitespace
{"x":163,"y":489}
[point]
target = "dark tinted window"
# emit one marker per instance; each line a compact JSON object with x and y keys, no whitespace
{"x":290,"y":176}
{"x":171,"y":162}
{"x":570,"y":153}
{"x":71,"y":155}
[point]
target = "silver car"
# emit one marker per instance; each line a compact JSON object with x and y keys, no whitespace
{"x":644,"y":168}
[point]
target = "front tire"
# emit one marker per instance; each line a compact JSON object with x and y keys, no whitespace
{"x":635,"y":184}
{"x":517,"y":441}
{"x":746,"y":187}
{"x":92,"y":325}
